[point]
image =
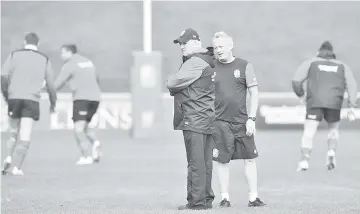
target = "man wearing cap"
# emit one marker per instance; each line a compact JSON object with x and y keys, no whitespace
{"x":194,"y":95}
{"x":327,"y":81}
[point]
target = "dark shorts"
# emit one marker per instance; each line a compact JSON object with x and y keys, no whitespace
{"x":84,"y":110}
{"x":19,"y":108}
{"x":232,"y":143}
{"x":330,"y":115}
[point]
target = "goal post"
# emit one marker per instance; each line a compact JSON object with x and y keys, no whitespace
{"x":146,"y":84}
{"x":147,"y":26}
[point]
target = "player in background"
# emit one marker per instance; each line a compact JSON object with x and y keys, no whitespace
{"x":22,"y":79}
{"x":83,"y":80}
{"x":327,"y":81}
{"x":234,"y":126}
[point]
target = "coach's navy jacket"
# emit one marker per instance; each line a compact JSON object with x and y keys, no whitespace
{"x":193,"y":89}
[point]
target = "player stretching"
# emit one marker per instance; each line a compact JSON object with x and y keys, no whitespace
{"x":327,"y":81}
{"x":81,"y":75}
{"x":234,"y":128}
{"x":22,"y":79}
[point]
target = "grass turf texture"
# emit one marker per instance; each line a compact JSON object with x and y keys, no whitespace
{"x":150,"y":177}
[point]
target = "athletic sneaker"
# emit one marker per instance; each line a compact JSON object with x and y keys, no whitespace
{"x":190,"y":207}
{"x":331,"y":160}
{"x":17,"y":172}
{"x":303,"y":166}
{"x":84,"y":161}
{"x":256,"y":203}
{"x":7,"y":165}
{"x":96,"y":152}
{"x":225,"y":203}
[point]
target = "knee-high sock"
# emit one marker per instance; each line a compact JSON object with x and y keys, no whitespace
{"x":223,"y":171}
{"x":333,"y":139}
{"x":20,"y":153}
{"x":310,"y":129}
{"x":10,"y":144}
{"x":251,"y":177}
{"x":81,"y":140}
{"x":305,"y":154}
{"x":90,"y":134}
{"x":306,"y":146}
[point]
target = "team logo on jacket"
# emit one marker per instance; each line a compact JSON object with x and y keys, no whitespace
{"x":215,"y":153}
{"x":237,"y":73}
{"x":213,"y":77}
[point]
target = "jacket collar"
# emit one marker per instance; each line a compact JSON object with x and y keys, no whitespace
{"x":200,"y":51}
{"x":326,"y":54}
{"x":31,"y":47}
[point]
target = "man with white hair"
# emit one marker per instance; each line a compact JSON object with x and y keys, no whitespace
{"x":234,"y":126}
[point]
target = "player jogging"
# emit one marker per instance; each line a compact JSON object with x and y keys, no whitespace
{"x":22,"y":79}
{"x":327,"y":81}
{"x":81,"y":75}
{"x":234,"y":127}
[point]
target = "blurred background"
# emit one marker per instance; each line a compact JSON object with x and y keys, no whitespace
{"x":275,"y":36}
{"x":149,"y":176}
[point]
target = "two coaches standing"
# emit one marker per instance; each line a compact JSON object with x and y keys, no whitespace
{"x":193,"y":89}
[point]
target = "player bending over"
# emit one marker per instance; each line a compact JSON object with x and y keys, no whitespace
{"x":83,"y":80}
{"x":22,"y":79}
{"x":327,"y":81}
{"x":234,"y":127}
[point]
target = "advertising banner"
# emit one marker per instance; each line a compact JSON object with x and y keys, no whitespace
{"x":284,"y":111}
{"x":276,"y":111}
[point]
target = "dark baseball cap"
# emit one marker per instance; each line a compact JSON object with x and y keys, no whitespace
{"x":187,"y":35}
